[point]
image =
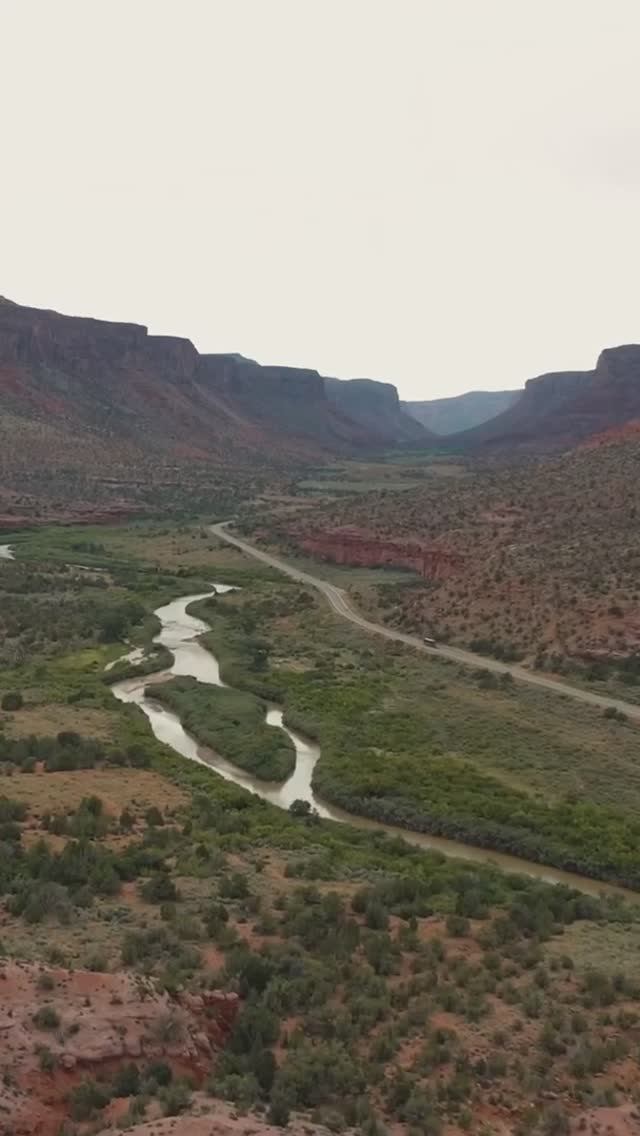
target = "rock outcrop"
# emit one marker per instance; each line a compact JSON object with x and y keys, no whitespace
{"x":95,"y":388}
{"x":358,"y":548}
{"x":376,"y":408}
{"x":563,"y":408}
{"x":103,"y":1021}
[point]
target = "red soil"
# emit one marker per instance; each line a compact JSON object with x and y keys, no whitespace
{"x":105,"y":1020}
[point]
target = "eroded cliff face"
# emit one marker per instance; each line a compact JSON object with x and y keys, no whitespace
{"x":106,"y":1022}
{"x":376,"y":408}
{"x":157,"y":394}
{"x":288,"y":400}
{"x":357,"y":547}
{"x":562,"y":408}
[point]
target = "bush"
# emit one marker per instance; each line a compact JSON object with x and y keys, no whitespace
{"x":13,"y":701}
{"x":615,"y":715}
{"x":46,"y":1018}
{"x":46,"y":1059}
{"x":159,"y":889}
{"x":159,"y":1072}
{"x":127,"y":1081}
{"x":457,"y":926}
{"x":279,"y":1111}
{"x":85,"y":1099}
{"x":234,"y":886}
{"x":175,"y":1098}
{"x":41,"y":901}
{"x":127,"y":820}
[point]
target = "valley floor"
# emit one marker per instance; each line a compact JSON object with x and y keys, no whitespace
{"x":359,"y":983}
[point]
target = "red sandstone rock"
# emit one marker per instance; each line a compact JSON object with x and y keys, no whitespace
{"x":88,"y":388}
{"x":354,"y":547}
{"x":105,"y":1020}
{"x":558,"y":410}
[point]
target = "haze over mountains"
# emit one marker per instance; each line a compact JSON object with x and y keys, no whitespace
{"x":461,"y":411}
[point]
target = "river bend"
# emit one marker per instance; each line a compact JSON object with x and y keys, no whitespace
{"x":180,"y":633}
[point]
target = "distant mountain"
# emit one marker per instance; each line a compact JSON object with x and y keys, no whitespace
{"x":462,"y":411}
{"x":560,"y":409}
{"x":75,"y":391}
{"x":376,"y":408}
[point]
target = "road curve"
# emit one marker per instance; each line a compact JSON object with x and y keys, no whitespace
{"x":337,"y":599}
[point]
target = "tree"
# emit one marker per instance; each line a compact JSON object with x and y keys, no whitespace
{"x":279,"y":1110}
{"x":300,"y":809}
{"x":264,"y":1067}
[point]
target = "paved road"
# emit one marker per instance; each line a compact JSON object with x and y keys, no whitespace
{"x":338,"y":600}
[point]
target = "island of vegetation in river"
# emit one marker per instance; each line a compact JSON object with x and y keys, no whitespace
{"x":231,"y":722}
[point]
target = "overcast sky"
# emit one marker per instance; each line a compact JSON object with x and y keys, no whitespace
{"x":442,"y":193}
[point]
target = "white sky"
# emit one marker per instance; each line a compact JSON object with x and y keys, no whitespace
{"x":442,"y":193}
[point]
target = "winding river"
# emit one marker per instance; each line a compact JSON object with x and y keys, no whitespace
{"x":180,"y":632}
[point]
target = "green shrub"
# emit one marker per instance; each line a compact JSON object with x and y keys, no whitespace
{"x":126,"y":1082}
{"x":46,"y":1018}
{"x":13,"y":700}
{"x":86,"y":1099}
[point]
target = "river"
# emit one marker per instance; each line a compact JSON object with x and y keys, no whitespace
{"x":180,"y":633}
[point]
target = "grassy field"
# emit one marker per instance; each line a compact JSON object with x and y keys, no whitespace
{"x":613,"y":948}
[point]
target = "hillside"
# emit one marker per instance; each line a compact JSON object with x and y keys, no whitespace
{"x":558,"y":410}
{"x":88,"y":391}
{"x":538,"y":561}
{"x":462,"y":411}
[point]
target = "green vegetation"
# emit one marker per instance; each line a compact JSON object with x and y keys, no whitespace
{"x":379,"y":985}
{"x":398,"y":746}
{"x":345,"y":955}
{"x":66,"y":751}
{"x":232,"y":723}
{"x":46,"y":1018}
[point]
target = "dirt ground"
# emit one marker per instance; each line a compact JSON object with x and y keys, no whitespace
{"x":49,"y":719}
{"x":116,"y":788}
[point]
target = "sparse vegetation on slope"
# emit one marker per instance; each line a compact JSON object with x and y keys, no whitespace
{"x":550,"y":556}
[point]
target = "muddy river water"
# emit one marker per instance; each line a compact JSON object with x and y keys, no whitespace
{"x":180,"y":633}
